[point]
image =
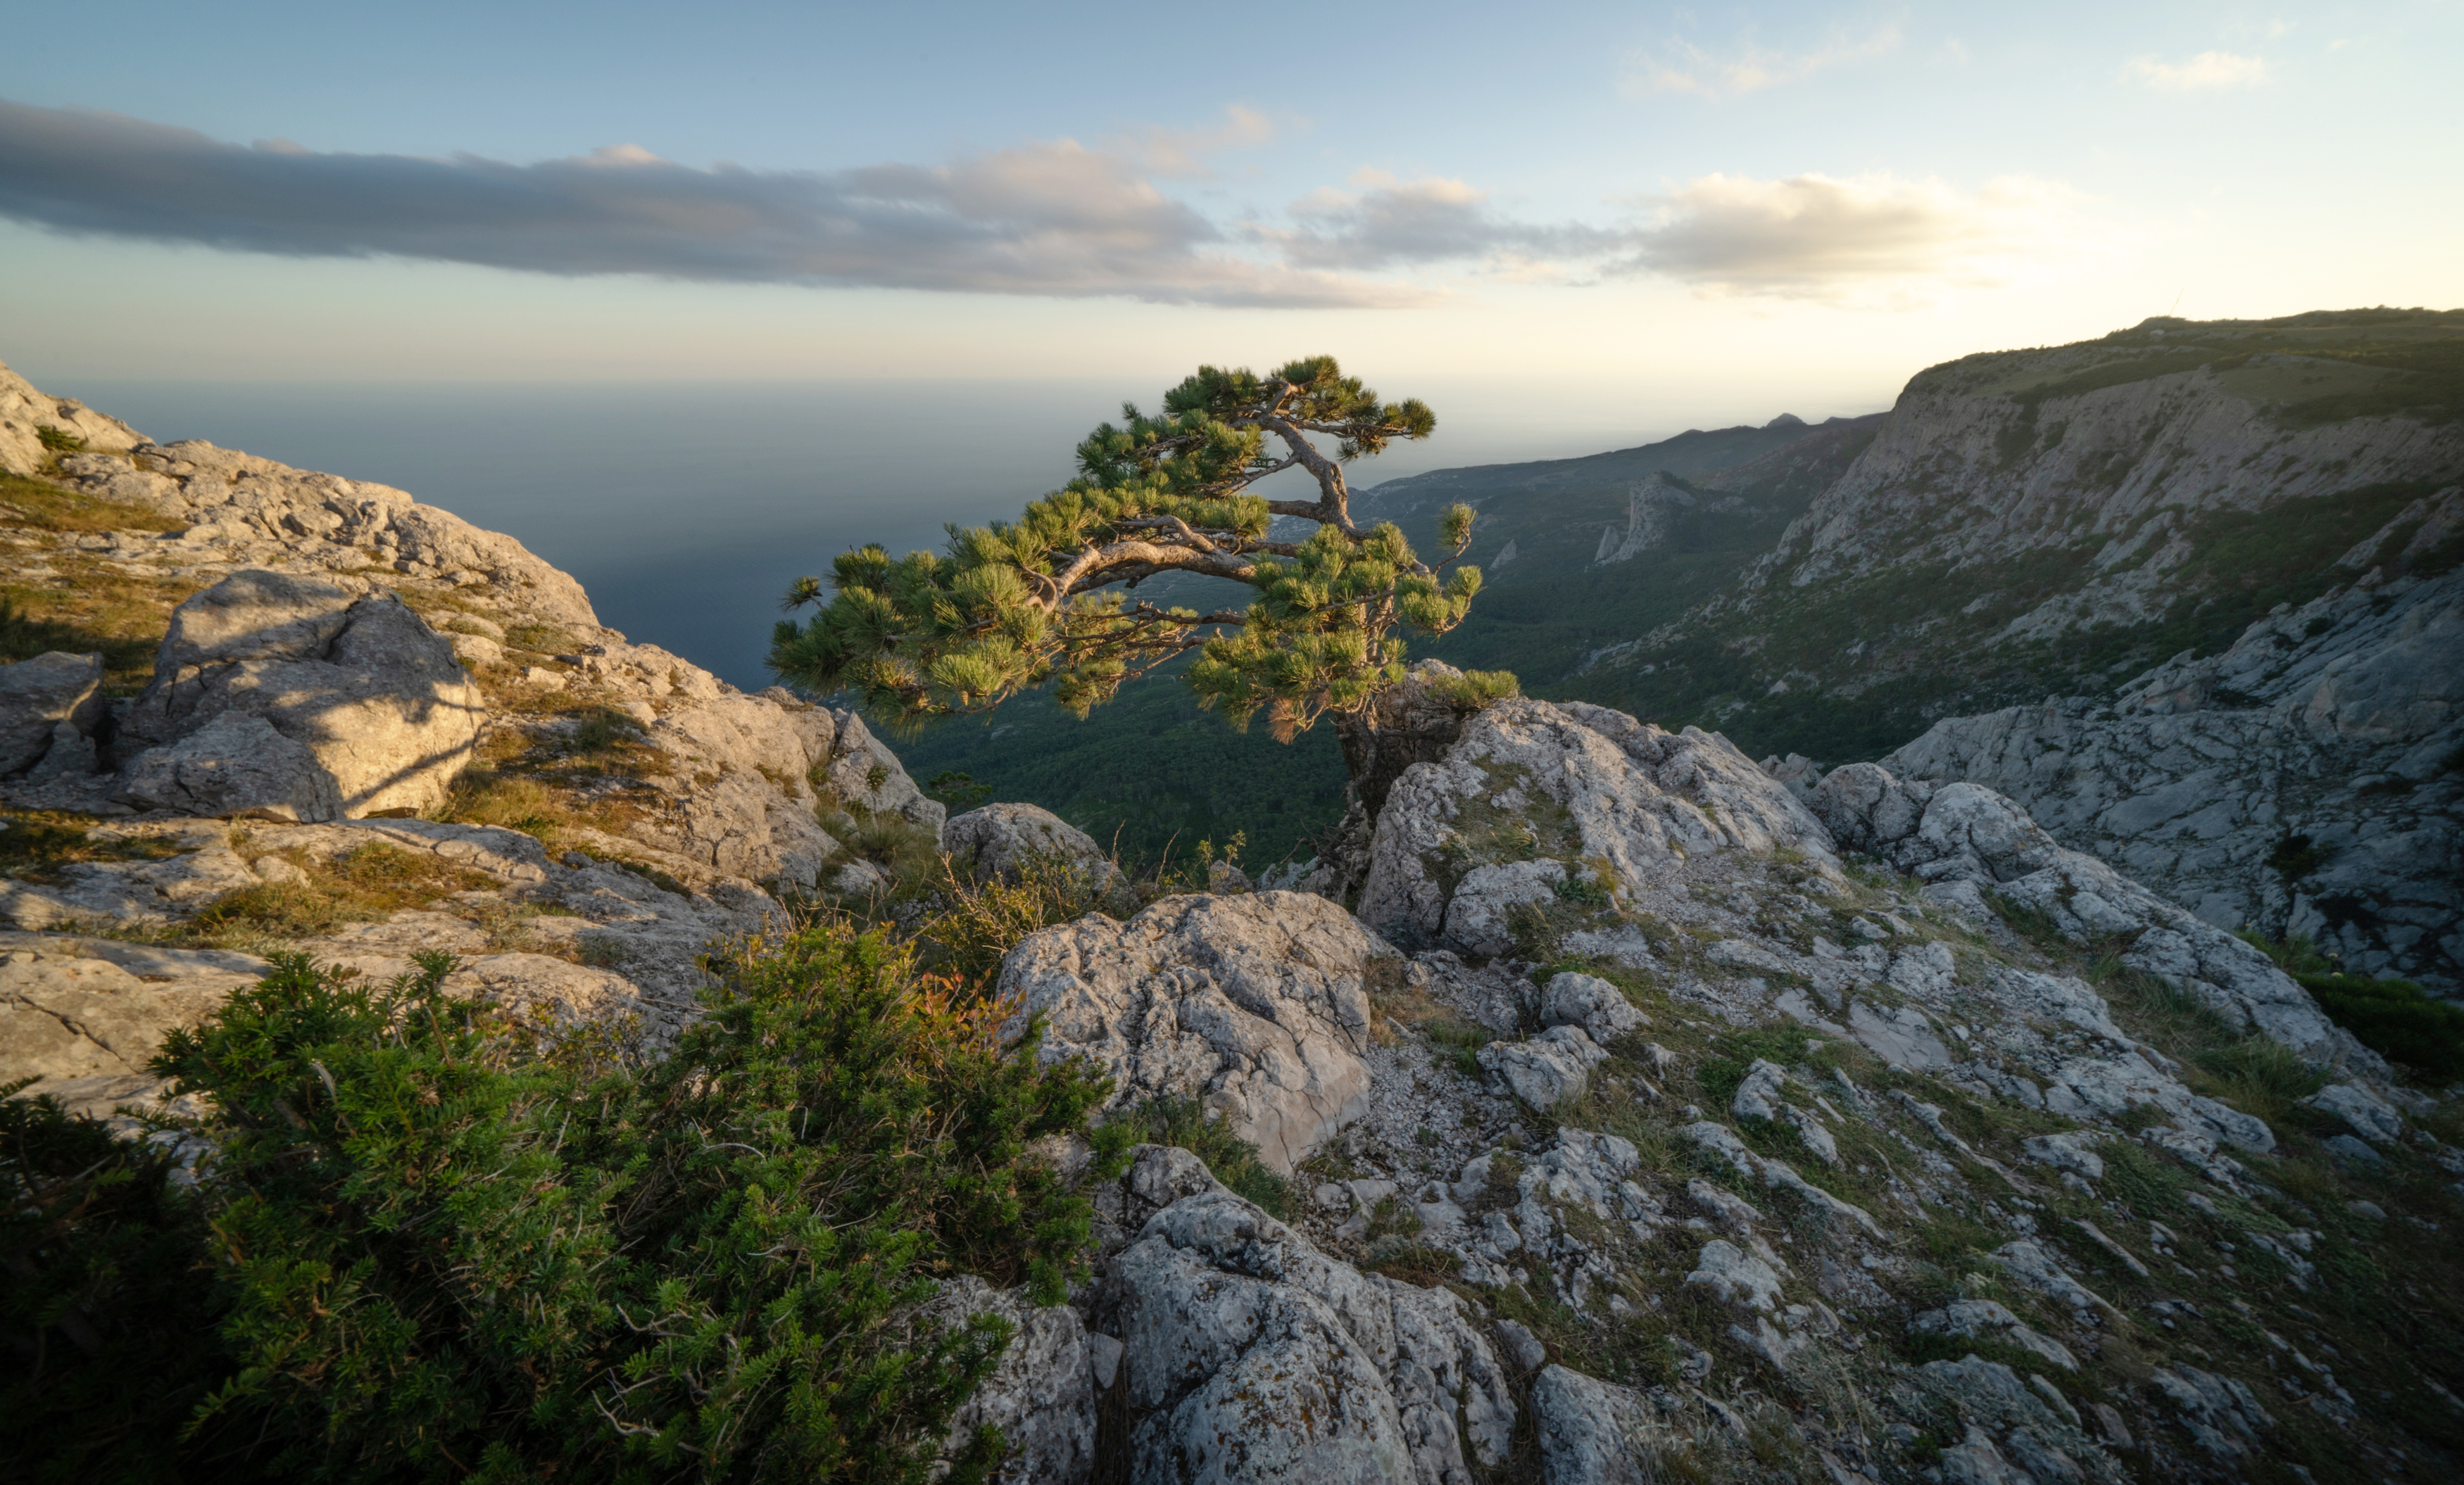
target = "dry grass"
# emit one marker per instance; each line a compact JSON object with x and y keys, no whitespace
{"x":39,"y":505}
{"x":40,"y":845}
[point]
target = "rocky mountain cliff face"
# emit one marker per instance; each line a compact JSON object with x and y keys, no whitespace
{"x":2184,"y":591}
{"x":1656,"y":1113}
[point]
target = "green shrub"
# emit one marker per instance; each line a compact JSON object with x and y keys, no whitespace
{"x":58,"y":440}
{"x":434,"y":1246}
{"x":2395,"y":1018}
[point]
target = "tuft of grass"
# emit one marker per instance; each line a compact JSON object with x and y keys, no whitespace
{"x":364,"y":885}
{"x":2260,"y":1074}
{"x":39,"y":845}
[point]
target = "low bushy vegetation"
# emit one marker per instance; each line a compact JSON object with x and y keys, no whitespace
{"x":430,"y":1244}
{"x":2397,"y":1019}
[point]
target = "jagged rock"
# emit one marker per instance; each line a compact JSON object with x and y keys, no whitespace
{"x":2014,"y":1431}
{"x":2026,"y":1261}
{"x":1592,"y":1432}
{"x":998,"y":839}
{"x":1630,"y":796}
{"x":865,"y":773}
{"x":2368,"y":1115}
{"x":1722,"y":1141}
{"x":1249,"y":1355}
{"x":37,"y":695}
{"x":2330,"y":721}
{"x":1571,"y":998}
{"x":354,"y":677}
{"x":1257,"y":1004}
{"x":739,"y":801}
{"x":236,"y":766}
{"x":25,"y":411}
{"x":1736,"y":1276}
{"x":1549,"y":1070}
{"x":1042,"y":1396}
{"x":2220,"y":1412}
{"x":2065,"y":1152}
{"x":1963,"y":832}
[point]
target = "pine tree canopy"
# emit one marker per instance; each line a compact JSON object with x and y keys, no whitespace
{"x":1049,"y":598}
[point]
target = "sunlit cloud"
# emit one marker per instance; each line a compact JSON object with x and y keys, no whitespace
{"x":1678,"y":66}
{"x":2209,"y":70}
{"x":1183,"y":153}
{"x":1819,"y":236}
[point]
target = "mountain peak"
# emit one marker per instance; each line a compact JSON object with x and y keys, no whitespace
{"x":1786,"y":419}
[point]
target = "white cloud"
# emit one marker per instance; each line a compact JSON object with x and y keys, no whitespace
{"x":1181,"y":153}
{"x":1819,"y":236}
{"x":1678,"y":66}
{"x":2205,"y":71}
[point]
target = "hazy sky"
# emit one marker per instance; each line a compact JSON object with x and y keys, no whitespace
{"x":1719,"y":210}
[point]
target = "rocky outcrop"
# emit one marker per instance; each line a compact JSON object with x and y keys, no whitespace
{"x":1257,"y":1005}
{"x":1042,"y":1396}
{"x":1966,"y":841}
{"x":25,"y":411}
{"x":2302,"y":782}
{"x":1248,"y":1354}
{"x":380,"y":714}
{"x":261,"y":510}
{"x":1579,"y":801}
{"x":1649,"y":508}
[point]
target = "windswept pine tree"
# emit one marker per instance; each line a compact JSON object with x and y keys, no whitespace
{"x":1050,"y":599}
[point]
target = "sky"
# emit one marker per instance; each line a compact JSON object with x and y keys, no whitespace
{"x":1712,"y":212}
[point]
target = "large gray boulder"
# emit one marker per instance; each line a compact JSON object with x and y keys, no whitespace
{"x":1540,"y":795}
{"x":741,"y":802}
{"x":236,"y":766}
{"x":1255,"y":1004}
{"x":998,"y":840}
{"x":865,"y":773}
{"x":351,"y":674}
{"x":37,"y":695}
{"x":1592,"y":1432}
{"x":1249,"y":1355}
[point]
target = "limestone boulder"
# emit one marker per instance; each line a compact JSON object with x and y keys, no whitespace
{"x":37,"y":695}
{"x":1000,"y":840}
{"x":1255,"y":1004}
{"x":1547,"y":1072}
{"x":863,"y":772}
{"x":26,"y":410}
{"x":66,"y":1012}
{"x":1250,"y":1354}
{"x":1571,"y":998}
{"x":350,"y":674}
{"x":1538,"y":795}
{"x":1592,"y":1432}
{"x":739,"y":799}
{"x":1042,"y":1396}
{"x":236,"y":766}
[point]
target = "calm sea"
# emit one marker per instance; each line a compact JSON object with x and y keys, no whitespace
{"x":686,"y":509}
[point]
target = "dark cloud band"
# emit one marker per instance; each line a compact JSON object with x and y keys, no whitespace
{"x":1055,"y":220}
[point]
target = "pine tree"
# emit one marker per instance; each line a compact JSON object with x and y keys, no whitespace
{"x":1049,"y":599}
